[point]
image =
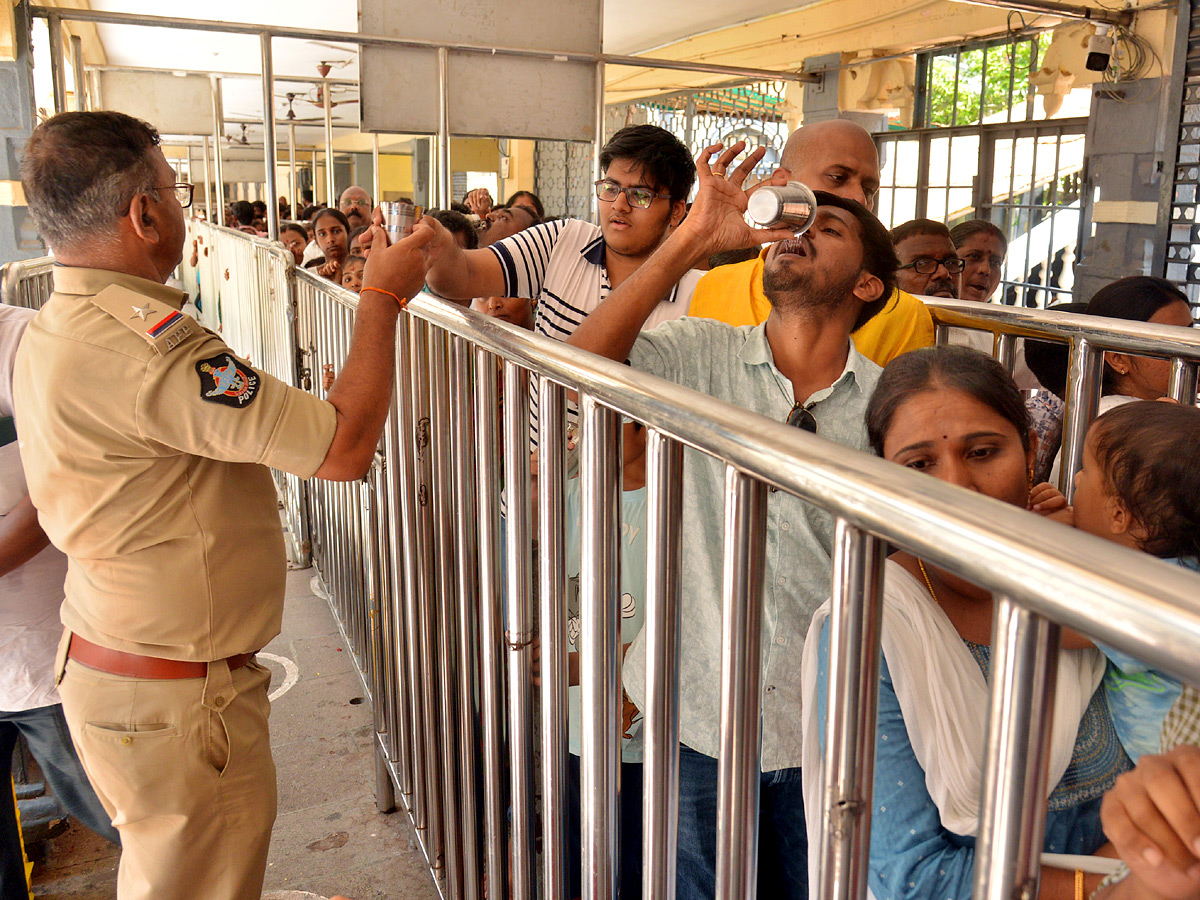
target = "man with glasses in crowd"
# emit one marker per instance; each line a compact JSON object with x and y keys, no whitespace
{"x":356,"y":205}
{"x":146,"y":443}
{"x":929,"y":264}
{"x":798,"y":367}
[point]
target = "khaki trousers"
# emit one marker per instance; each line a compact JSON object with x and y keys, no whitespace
{"x":184,"y":768}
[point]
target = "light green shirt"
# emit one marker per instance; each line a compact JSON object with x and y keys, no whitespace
{"x":736,"y":365}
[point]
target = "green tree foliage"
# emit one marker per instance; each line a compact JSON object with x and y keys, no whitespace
{"x":983,"y":81}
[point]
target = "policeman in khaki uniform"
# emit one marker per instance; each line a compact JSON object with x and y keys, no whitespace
{"x":146,"y":443}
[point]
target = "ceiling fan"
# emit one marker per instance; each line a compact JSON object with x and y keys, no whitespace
{"x":243,"y":140}
{"x":291,"y":116}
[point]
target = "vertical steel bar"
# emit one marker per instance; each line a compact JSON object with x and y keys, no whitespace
{"x":463,"y":444}
{"x":293,"y":188}
{"x":598,"y":143}
{"x":218,"y":111}
{"x":376,"y":191}
{"x":426,"y":567}
{"x":314,"y":176}
{"x":854,"y":624}
{"x":395,"y":471}
{"x":553,"y":590}
{"x":1003,"y":348}
{"x":78,"y":73}
{"x":207,"y":183}
{"x":600,"y":617}
{"x":1013,"y":817}
{"x":1182,"y":386}
{"x":491,"y":599}
{"x":330,"y":185}
{"x":443,"y":134}
{"x":445,"y":608}
{"x":1084,"y":377}
{"x":520,"y":625}
{"x":741,"y":687}
{"x":664,"y":529}
{"x":269,"y":153}
{"x":58,"y":75}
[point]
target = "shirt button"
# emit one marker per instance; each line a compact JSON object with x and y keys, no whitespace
{"x":127,"y":740}
{"x":219,"y":701}
{"x":780,"y":580}
{"x":786,"y":525}
{"x":780,"y":641}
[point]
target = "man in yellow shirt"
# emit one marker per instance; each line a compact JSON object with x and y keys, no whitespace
{"x":837,"y":156}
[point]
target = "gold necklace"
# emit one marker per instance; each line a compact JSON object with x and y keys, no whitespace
{"x":928,"y":583}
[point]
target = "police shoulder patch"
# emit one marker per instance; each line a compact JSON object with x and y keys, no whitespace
{"x":226,"y":379}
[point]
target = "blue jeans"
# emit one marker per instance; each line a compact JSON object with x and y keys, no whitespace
{"x":45,"y":730}
{"x":782,"y":838}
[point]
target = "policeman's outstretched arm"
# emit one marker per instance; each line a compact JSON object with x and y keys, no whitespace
{"x":714,"y":223}
{"x":362,"y":392}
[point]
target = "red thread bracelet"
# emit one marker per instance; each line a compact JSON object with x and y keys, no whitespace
{"x":401,"y":302}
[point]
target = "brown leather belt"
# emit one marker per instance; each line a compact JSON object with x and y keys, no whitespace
{"x":133,"y":665}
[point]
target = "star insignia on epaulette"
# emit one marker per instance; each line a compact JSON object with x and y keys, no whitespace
{"x":140,"y":312}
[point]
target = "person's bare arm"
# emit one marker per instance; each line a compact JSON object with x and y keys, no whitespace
{"x":21,"y":537}
{"x":362,"y":392}
{"x":715,"y":223}
{"x":459,"y":274}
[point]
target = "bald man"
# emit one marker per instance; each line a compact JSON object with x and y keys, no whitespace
{"x":837,"y":156}
{"x":355,"y":204}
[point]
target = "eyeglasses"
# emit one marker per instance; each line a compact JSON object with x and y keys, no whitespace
{"x":638,"y":197}
{"x":183,"y":192}
{"x":975,"y":257}
{"x":927,"y":265}
{"x":801,"y":417}
{"x":365,"y":204}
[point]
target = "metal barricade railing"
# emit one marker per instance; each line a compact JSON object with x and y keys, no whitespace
{"x":1087,"y":338}
{"x":27,"y":282}
{"x":436,"y":592}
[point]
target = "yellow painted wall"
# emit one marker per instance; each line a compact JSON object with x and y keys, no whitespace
{"x":520,"y":169}
{"x":395,"y":177}
{"x":474,"y":155}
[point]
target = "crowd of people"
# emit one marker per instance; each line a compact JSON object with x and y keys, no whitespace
{"x":823,"y":330}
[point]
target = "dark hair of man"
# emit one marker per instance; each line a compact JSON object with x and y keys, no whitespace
{"x":944,"y":368}
{"x":664,"y":161}
{"x":337,"y":214}
{"x":1150,"y":455}
{"x":243,"y":212}
{"x":456,"y":223}
{"x":81,"y":170}
{"x":879,"y":256}
{"x":306,"y":195}
{"x":260,"y":208}
{"x":1048,"y":360}
{"x":1136,"y":298}
{"x":459,"y":207}
{"x":528,"y":210}
{"x":530,"y":199}
{"x":914,"y":227}
{"x":964,"y":231}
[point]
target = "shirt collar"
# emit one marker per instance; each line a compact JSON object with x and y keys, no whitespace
{"x":595,"y":252}
{"x":88,"y":282}
{"x":756,"y":352}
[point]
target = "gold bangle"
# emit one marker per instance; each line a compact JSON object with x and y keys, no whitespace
{"x":1079,"y":884}
{"x":400,"y":301}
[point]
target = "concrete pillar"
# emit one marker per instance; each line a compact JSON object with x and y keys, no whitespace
{"x":18,"y":239}
{"x":1124,"y":175}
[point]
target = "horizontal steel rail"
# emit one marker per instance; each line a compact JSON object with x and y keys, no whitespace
{"x":27,"y":282}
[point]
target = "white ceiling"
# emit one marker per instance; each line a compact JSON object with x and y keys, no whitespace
{"x":630,"y":27}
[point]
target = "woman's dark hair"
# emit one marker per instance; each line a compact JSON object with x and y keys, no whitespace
{"x":337,"y":214}
{"x":530,"y":199}
{"x":966,"y":230}
{"x":1149,"y":453}
{"x":1136,"y":298}
{"x":665,"y":162}
{"x":947,"y":368}
{"x":299,"y":229}
{"x":1048,"y":360}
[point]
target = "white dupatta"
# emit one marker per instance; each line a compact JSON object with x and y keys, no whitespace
{"x":944,"y":700}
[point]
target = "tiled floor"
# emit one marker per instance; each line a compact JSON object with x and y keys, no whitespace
{"x":328,"y":839}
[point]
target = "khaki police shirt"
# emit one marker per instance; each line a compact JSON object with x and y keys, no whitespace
{"x":146,"y":443}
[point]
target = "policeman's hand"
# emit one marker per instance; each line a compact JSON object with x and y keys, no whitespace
{"x":1152,"y":817}
{"x":716,"y":221}
{"x":400,"y":268}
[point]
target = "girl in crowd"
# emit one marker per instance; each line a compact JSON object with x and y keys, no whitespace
{"x":332,"y":232}
{"x":295,"y":239}
{"x":352,"y":273}
{"x":955,"y":414}
{"x":1140,"y":298}
{"x":982,"y":248}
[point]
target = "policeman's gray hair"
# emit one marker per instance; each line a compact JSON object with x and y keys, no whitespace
{"x":80,"y":172}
